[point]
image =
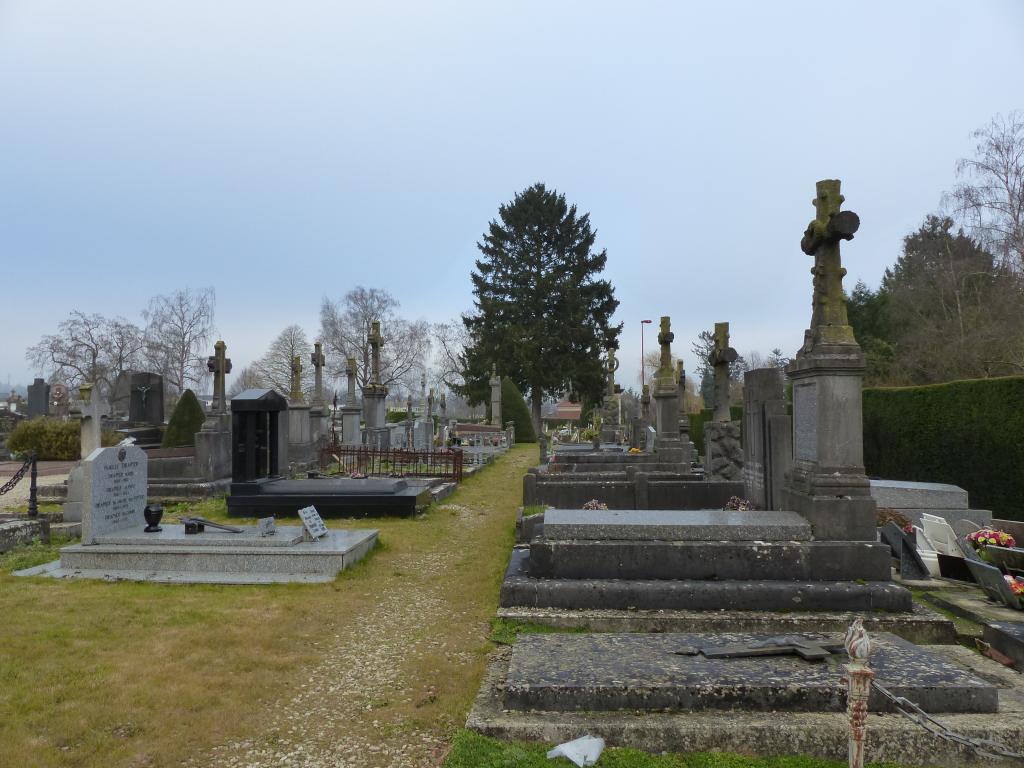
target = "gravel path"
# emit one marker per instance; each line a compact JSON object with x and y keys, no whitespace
{"x":360,"y":705}
{"x":18,"y":495}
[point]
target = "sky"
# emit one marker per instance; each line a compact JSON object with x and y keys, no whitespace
{"x":281,"y":152}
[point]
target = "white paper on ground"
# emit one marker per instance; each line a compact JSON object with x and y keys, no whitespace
{"x":582,"y":751}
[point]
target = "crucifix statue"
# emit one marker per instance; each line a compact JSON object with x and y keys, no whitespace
{"x":319,"y":361}
{"x":829,"y":321}
{"x":375,"y":341}
{"x":665,"y":339}
{"x":350,"y":374}
{"x":296,"y":393}
{"x":219,"y":365}
{"x":612,"y":367}
{"x":720,"y":358}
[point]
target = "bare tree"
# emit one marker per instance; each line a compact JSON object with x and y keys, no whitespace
{"x":990,"y":199}
{"x":178,"y":332}
{"x":247,"y":378}
{"x":274,"y":369}
{"x":450,"y":341}
{"x":346,"y":324}
{"x":88,"y":348}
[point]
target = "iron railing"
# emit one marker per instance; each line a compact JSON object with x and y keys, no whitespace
{"x":392,"y":462}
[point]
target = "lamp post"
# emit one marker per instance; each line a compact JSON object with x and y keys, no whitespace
{"x":642,"y":324}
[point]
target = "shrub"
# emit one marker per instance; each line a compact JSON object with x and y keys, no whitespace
{"x":513,"y":408}
{"x":52,"y":439}
{"x":967,"y":433}
{"x":186,"y":420}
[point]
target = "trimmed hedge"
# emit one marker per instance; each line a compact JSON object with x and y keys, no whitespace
{"x":186,"y":420}
{"x":52,"y":439}
{"x":513,"y":408}
{"x":968,"y":433}
{"x":698,"y":419}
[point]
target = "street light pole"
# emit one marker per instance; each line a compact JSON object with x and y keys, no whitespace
{"x":642,"y":324}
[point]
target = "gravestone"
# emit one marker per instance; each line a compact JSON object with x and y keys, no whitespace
{"x":312,"y":522}
{"x":146,"y":399}
{"x":114,"y":491}
{"x":666,"y":402}
{"x":827,"y":483}
{"x":911,"y":564}
{"x":300,"y":437}
{"x":495,"y":383}
{"x":723,"y":452}
{"x":351,"y":431}
{"x":991,"y":580}
{"x":375,"y":394}
{"x":38,"y":399}
{"x":213,"y":441}
{"x":767,"y":438}
{"x":259,"y":436}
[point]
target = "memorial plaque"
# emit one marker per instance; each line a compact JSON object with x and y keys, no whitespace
{"x":115,"y":491}
{"x":266,"y":526}
{"x":805,"y":421}
{"x":313,"y":522}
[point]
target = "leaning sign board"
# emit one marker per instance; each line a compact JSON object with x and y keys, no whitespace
{"x":313,"y":522}
{"x":115,"y":491}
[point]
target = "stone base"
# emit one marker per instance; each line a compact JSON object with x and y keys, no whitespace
{"x":333,"y":497}
{"x":836,"y":518}
{"x":921,"y":626}
{"x":22,"y":530}
{"x":674,"y":525}
{"x":213,"y":556}
{"x":521,"y":589}
{"x":822,"y":735}
{"x":609,"y":671}
{"x":723,"y":451}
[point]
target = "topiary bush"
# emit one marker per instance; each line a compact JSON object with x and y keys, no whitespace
{"x":52,"y":439}
{"x":968,"y":433}
{"x":513,"y":408}
{"x":697,"y":421}
{"x":186,"y":420}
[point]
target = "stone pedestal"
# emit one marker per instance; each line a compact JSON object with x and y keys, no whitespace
{"x":669,"y":446}
{"x":300,"y":442}
{"x":374,"y":407}
{"x":723,"y":454}
{"x":827,"y":483}
{"x":351,"y":430}
{"x":319,"y":426}
{"x":213,"y":448}
{"x":767,"y":439}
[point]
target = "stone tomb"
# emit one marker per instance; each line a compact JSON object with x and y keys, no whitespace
{"x":332,"y":496}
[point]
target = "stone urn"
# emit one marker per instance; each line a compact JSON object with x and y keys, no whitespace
{"x":153,"y":513}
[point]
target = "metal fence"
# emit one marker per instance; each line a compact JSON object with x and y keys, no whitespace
{"x":392,"y":462}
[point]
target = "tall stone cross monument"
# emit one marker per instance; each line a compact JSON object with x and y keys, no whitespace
{"x":666,"y":400}
{"x":723,"y":452}
{"x":295,"y":396}
{"x":219,"y":365}
{"x":300,"y":432}
{"x":319,"y":361}
{"x":610,"y":418}
{"x":375,"y":394}
{"x":350,"y":412}
{"x":495,"y":396}
{"x":827,"y":483}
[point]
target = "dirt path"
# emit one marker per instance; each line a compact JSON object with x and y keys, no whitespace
{"x":395,"y":677}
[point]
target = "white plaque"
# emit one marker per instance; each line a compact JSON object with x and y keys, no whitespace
{"x":313,"y":522}
{"x":265,"y":526}
{"x":115,"y":491}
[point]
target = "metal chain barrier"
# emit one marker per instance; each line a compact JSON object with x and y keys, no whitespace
{"x":17,"y":475}
{"x":910,"y":710}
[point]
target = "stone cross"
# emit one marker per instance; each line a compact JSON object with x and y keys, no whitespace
{"x":495,"y":396}
{"x":681,"y":384}
{"x":665,"y":339}
{"x":91,"y":429}
{"x":423,"y":395}
{"x":720,"y":358}
{"x":219,"y":365}
{"x":829,"y":321}
{"x":444,"y":408}
{"x":296,"y":393}
{"x":350,"y":374}
{"x":430,"y":403}
{"x":376,"y":341}
{"x":612,"y":367}
{"x":645,"y":403}
{"x":319,"y":361}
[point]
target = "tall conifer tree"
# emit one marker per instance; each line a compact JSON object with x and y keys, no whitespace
{"x":543,"y":315}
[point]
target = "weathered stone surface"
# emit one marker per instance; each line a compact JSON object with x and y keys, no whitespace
{"x":607,"y":671}
{"x":726,"y":560}
{"x":22,"y":531}
{"x":521,"y":588}
{"x":723,"y":451}
{"x":675,"y":525}
{"x":905,"y":494}
{"x":1008,"y":638}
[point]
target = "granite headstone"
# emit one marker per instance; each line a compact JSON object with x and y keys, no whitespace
{"x":115,"y":491}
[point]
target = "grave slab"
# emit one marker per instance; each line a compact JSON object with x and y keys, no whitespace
{"x":1007,"y":637}
{"x":601,"y":672}
{"x":906,"y":494}
{"x":174,"y":535}
{"x":675,"y":525}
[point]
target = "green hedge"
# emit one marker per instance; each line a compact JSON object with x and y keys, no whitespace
{"x":698,"y":419}
{"x":51,"y":439}
{"x":186,"y":420}
{"x":968,"y":433}
{"x":513,"y":408}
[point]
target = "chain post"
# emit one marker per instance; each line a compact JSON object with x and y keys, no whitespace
{"x":33,"y":506}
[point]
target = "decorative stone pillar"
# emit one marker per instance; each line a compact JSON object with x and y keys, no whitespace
{"x":495,"y":397}
{"x":666,"y":400}
{"x":723,"y":451}
{"x":213,"y":441}
{"x":351,"y":431}
{"x":375,"y":396}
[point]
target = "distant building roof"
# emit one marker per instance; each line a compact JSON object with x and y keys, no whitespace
{"x":565,"y":411}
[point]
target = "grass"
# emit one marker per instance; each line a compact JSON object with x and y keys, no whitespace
{"x":533,"y":509}
{"x":471,"y":750}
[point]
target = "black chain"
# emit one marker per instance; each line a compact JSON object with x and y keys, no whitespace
{"x":910,"y":710}
{"x":17,"y":475}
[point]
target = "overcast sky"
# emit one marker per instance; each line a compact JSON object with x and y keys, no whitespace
{"x":283,"y":151}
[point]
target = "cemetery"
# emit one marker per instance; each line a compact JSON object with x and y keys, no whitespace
{"x":436,"y":387}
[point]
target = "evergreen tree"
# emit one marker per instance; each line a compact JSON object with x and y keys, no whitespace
{"x":513,"y":408}
{"x":542,"y":315}
{"x":186,"y":420}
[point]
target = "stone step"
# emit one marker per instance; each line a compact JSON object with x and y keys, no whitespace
{"x":522,"y":589}
{"x":729,"y":560}
{"x":610,"y":671}
{"x":332,"y":553}
{"x":675,"y":525}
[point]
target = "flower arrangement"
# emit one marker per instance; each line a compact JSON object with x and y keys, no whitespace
{"x":1016,"y":585}
{"x":635,"y":450}
{"x":736,"y":504}
{"x":358,"y":475}
{"x":595,"y":504}
{"x":990,"y":537}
